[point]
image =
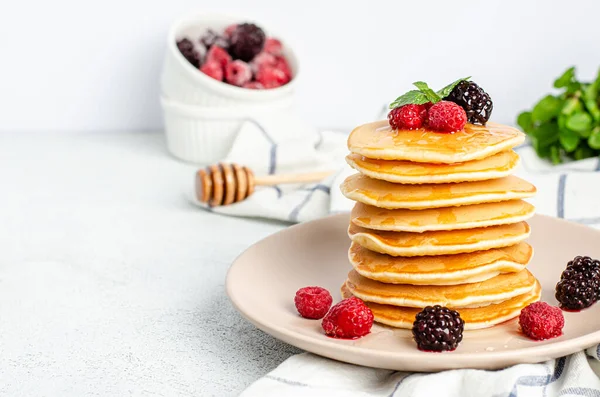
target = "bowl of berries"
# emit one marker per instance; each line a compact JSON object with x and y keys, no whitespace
{"x":219,"y":71}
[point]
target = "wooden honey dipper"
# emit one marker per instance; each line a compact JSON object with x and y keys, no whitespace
{"x":224,"y":184}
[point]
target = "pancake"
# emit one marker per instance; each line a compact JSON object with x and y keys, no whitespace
{"x":447,"y":218}
{"x":494,"y":290}
{"x":389,"y":195}
{"x":439,"y":270}
{"x":378,"y":140}
{"x":445,"y":242}
{"x":475,"y":318}
{"x":496,"y":166}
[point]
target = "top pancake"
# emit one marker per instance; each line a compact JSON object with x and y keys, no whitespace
{"x":378,"y":140}
{"x":389,"y":195}
{"x":497,"y":166}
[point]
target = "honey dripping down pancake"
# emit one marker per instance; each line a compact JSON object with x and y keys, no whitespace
{"x":475,"y":318}
{"x":494,"y":290}
{"x":496,"y":166}
{"x":446,"y":218}
{"x":389,"y":195}
{"x":443,"y":242}
{"x":378,"y":140}
{"x":439,"y":270}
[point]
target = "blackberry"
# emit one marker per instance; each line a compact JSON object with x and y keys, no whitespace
{"x":247,"y":40}
{"x":211,"y":38}
{"x":476,"y":102}
{"x":438,"y":328}
{"x":579,"y":285}
{"x":186,"y":47}
{"x":583,"y":263}
{"x":576,"y":294}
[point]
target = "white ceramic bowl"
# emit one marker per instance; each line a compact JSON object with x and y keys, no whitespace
{"x":204,"y":135}
{"x":182,"y":82}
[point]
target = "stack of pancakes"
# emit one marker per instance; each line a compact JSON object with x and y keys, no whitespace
{"x":439,"y":219}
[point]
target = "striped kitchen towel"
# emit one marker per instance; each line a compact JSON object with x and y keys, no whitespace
{"x":310,"y":375}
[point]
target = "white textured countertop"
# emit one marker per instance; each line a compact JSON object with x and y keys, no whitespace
{"x":111,"y":282}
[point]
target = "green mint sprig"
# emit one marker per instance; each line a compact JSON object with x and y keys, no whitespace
{"x":424,"y":94}
{"x":566,"y":125}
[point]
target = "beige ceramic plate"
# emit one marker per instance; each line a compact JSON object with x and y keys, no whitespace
{"x":263,"y":280}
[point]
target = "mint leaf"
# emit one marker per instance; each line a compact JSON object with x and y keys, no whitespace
{"x":444,"y":92}
{"x":590,"y":97}
{"x":594,"y":139}
{"x":542,"y":151}
{"x":414,"y":96}
{"x":571,"y":106}
{"x":579,"y":122}
{"x":546,"y":134}
{"x":583,"y":152}
{"x":525,"y":121}
{"x":555,"y":154}
{"x":565,"y":79}
{"x":569,"y":140}
{"x":546,"y":109}
{"x":429,"y":93}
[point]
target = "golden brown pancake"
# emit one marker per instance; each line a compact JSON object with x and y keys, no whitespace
{"x":445,"y":242}
{"x":378,"y":140}
{"x":447,"y":218}
{"x":494,"y":290}
{"x":442,"y":269}
{"x":408,"y":172}
{"x":389,"y":195}
{"x":475,"y":318}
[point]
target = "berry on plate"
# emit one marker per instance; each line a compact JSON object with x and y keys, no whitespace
{"x":437,"y":328}
{"x":446,"y":116}
{"x":408,"y":117}
{"x":540,"y":321}
{"x":313,"y":302}
{"x":238,"y":73}
{"x":579,"y":285}
{"x":348,"y":319}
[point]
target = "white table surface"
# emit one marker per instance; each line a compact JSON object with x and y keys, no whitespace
{"x":111,"y":281}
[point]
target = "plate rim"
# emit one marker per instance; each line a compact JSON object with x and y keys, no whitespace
{"x":448,"y":360}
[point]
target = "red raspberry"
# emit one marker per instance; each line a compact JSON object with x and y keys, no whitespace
{"x":218,"y":54}
{"x":282,"y":64}
{"x":407,"y":117}
{"x":229,"y":30}
{"x":261,"y":60}
{"x":253,"y":85}
{"x":348,"y":319}
{"x":213,"y":69}
{"x":313,"y":302}
{"x":271,"y":77}
{"x":447,"y":116}
{"x":541,"y":321}
{"x":272,"y":46}
{"x":238,"y":73}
